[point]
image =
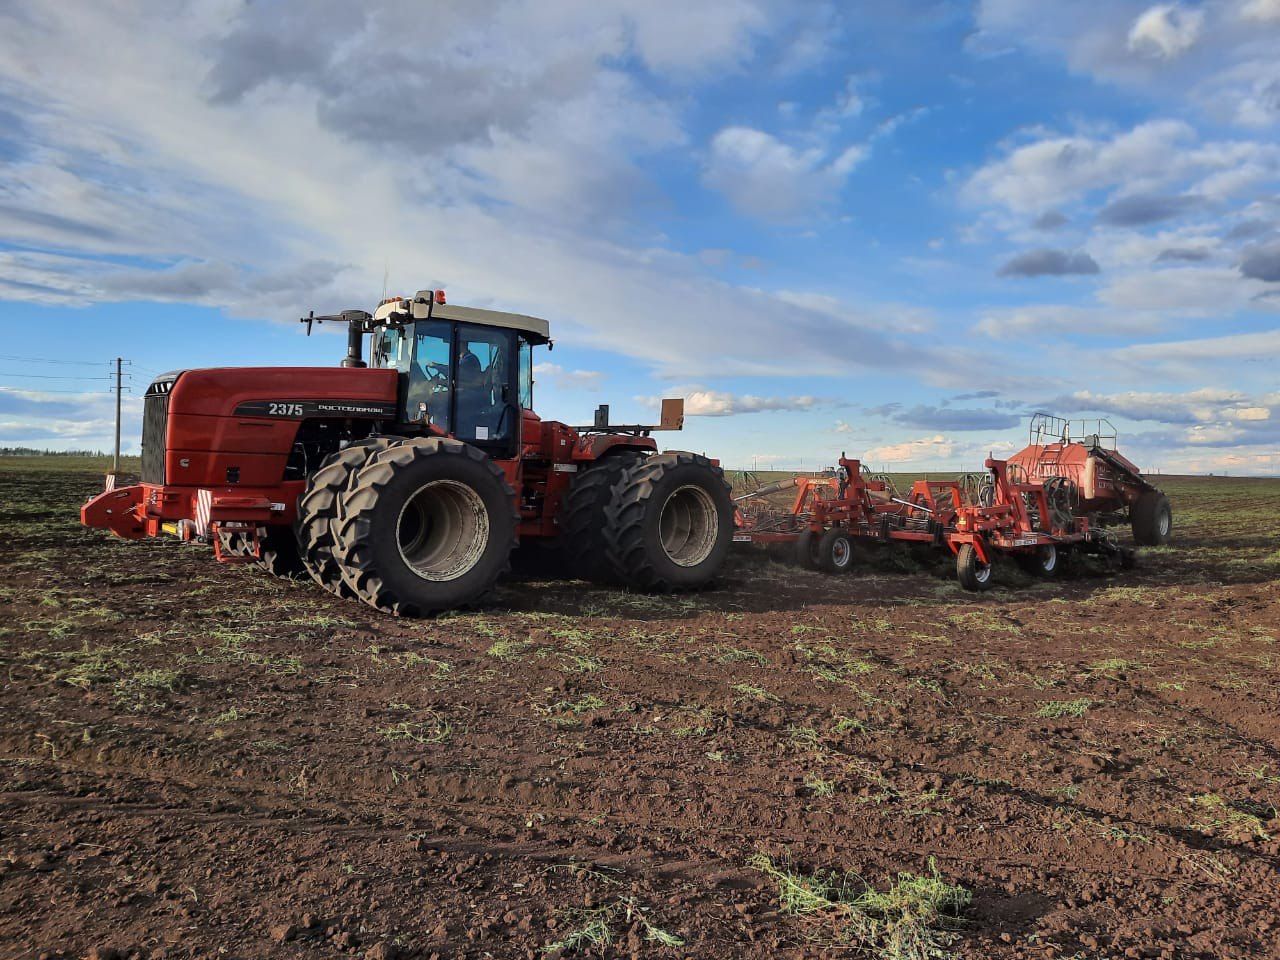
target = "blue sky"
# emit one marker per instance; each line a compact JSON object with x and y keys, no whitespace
{"x":831,"y":226}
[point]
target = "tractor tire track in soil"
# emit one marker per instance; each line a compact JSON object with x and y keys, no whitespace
{"x":200,"y":760}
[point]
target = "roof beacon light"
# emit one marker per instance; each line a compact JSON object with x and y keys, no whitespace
{"x":439,"y":296}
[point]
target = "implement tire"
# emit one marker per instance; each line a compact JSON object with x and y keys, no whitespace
{"x":972,"y":573}
{"x":278,"y":552}
{"x":1044,"y":562}
{"x":805,"y":550}
{"x":582,"y":539}
{"x":427,"y":525}
{"x":669,"y":523}
{"x":318,"y":511}
{"x":835,"y":551}
{"x":1151,"y":518}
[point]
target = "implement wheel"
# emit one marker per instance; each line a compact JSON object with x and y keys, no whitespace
{"x":1151,"y":518}
{"x":1043,"y":562}
{"x":278,"y":552}
{"x":972,"y":573}
{"x":669,"y":523}
{"x":806,"y":551}
{"x":582,"y":539}
{"x":318,"y":511}
{"x":835,"y":551}
{"x":427,"y":525}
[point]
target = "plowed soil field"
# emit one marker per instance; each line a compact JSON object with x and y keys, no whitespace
{"x":202,"y":761}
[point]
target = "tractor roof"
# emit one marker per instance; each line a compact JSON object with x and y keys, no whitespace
{"x":535,"y":328}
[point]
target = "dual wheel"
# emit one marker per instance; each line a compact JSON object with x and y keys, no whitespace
{"x":830,"y":551}
{"x":416,"y":526}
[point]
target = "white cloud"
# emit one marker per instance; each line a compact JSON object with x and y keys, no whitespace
{"x":1182,"y":291}
{"x":1036,"y":321}
{"x":1195,"y":358}
{"x":1054,"y":169}
{"x":1166,"y":30}
{"x":932,"y":449}
{"x":719,"y":403}
{"x":1249,"y":413}
{"x":1264,"y":11}
{"x":572,"y":379}
{"x":766,"y":178}
{"x":1204,"y":405}
{"x":1206,"y":54}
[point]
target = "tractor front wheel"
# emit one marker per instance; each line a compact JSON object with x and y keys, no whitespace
{"x":427,"y":525}
{"x":318,"y":511}
{"x":1151,"y":518}
{"x":669,"y":523}
{"x":972,"y":573}
{"x":835,"y":551}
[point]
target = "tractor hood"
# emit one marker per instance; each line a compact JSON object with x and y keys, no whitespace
{"x":295,"y":393}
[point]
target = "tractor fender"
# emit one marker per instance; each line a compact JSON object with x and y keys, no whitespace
{"x":595,"y":446}
{"x":118,"y":511}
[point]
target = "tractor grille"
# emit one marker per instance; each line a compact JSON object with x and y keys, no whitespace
{"x":155,"y":416}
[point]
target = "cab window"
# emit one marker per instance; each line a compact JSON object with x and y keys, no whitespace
{"x":526,"y":375}
{"x":428,"y":396}
{"x":486,"y":357}
{"x":392,"y":349}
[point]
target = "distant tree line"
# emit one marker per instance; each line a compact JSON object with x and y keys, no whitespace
{"x":32,"y":452}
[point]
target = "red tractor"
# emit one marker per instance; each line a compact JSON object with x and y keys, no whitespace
{"x":1080,"y":458}
{"x":408,"y":481}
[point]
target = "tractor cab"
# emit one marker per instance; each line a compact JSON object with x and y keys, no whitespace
{"x":463,"y":371}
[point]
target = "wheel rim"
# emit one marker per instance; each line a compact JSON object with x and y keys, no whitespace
{"x":1049,"y":558}
{"x":1164,"y":522}
{"x":841,"y":552}
{"x":981,"y":571}
{"x":688,"y":526}
{"x":442,"y":530}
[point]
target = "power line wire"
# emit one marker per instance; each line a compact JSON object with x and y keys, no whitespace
{"x":45,"y":376}
{"x":83,"y":363}
{"x":79,"y":393}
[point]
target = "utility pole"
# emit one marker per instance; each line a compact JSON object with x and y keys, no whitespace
{"x":115,"y":462}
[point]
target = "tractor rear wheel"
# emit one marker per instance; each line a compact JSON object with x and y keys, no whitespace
{"x":972,"y":573}
{"x":1151,"y":518}
{"x":1043,"y":561}
{"x":427,"y":525}
{"x":318,"y":511}
{"x":582,"y":537}
{"x":669,"y":522}
{"x":835,"y":551}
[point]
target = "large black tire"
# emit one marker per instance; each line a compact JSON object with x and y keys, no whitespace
{"x":1151,"y":518}
{"x":427,"y":525}
{"x":582,"y":539}
{"x":278,"y":552}
{"x":972,"y":573}
{"x":805,"y":551}
{"x":318,"y":510}
{"x":835,"y":551}
{"x":669,"y":523}
{"x":1043,"y":562}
